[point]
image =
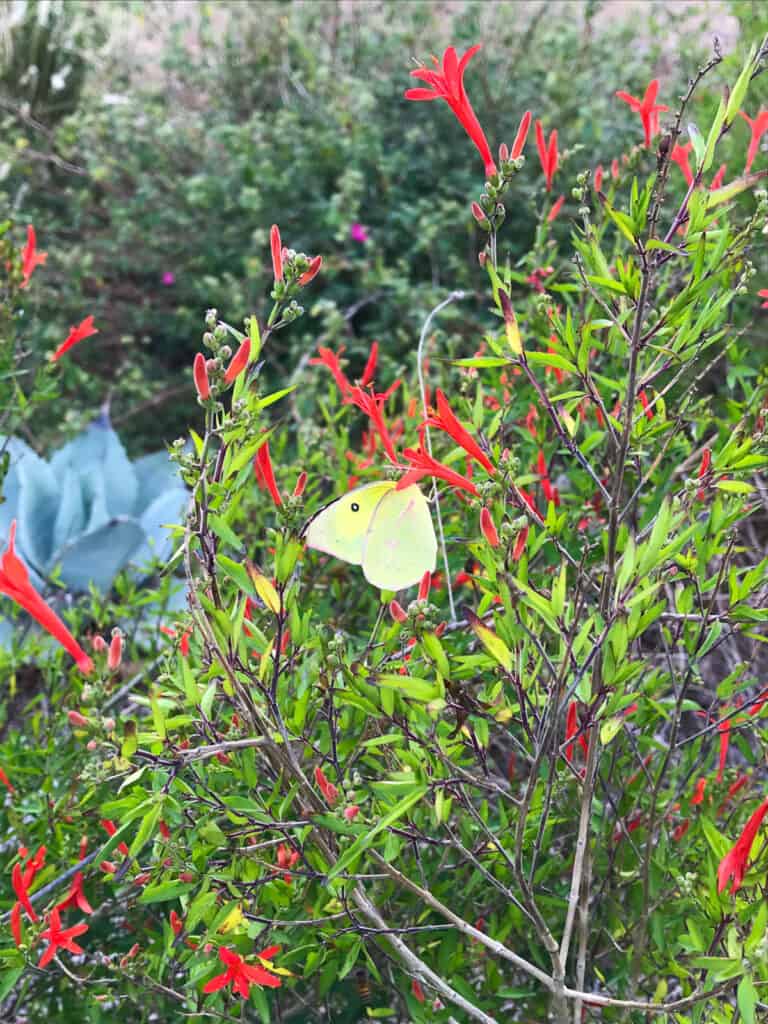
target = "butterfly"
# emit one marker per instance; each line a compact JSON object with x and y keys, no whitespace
{"x":388,"y":532}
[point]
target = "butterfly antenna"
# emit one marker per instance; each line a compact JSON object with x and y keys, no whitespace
{"x":453,"y":297}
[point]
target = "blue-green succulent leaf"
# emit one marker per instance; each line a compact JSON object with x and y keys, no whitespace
{"x":38,"y":503}
{"x":97,"y":557}
{"x":70,"y":517}
{"x":155,"y":474}
{"x":165,"y":510}
{"x":97,"y":454}
{"x":11,"y":486}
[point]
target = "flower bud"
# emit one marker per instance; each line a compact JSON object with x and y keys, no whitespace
{"x":351,"y":812}
{"x":200,"y":374}
{"x":314,"y":269}
{"x":488,"y":528}
{"x":397,"y":611}
{"x":301,"y":483}
{"x":99,"y":644}
{"x":115,"y":655}
{"x":503,"y":153}
{"x":76,"y":718}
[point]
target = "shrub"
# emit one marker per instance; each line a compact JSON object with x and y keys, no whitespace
{"x":532,"y":789}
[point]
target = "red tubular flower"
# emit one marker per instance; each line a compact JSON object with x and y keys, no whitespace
{"x":241,"y":975}
{"x":14,"y":583}
{"x":329,"y":791}
{"x":311,"y":272}
{"x":59,"y":938}
{"x":84,"y":330}
{"x":647,"y":108}
{"x":373,"y":406}
{"x":447,"y":83}
{"x":76,"y":718}
{"x":681,"y":829}
{"x":717,"y":181}
{"x":556,"y":208}
{"x":571,"y":728}
{"x":370,"y":366}
{"x":110,"y":828}
{"x":239,"y":361}
{"x":548,"y":155}
{"x":698,"y":795}
{"x":598,"y":179}
{"x":331,"y":360}
{"x":418,"y":991}
{"x":20,"y":886}
{"x":734,"y":864}
{"x":424,"y":586}
{"x":422,"y":464}
{"x":478,"y":214}
{"x":200,"y":375}
{"x":446,"y":420}
{"x":706,"y":462}
{"x":30,"y":257}
{"x":265,"y":474}
{"x":522,"y":135}
{"x":758,"y":127}
{"x":76,"y":896}
{"x":724,"y":730}
{"x":614,"y":168}
{"x":177,"y":925}
{"x":16,"y":923}
{"x":6,"y":782}
{"x":763,"y":294}
{"x":680,"y":155}
{"x":646,"y":405}
{"x":276,"y":246}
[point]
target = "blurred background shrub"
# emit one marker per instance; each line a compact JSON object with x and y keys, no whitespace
{"x":152,"y":145}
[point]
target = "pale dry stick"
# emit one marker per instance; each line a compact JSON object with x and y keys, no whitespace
{"x":214,"y":749}
{"x":453,"y":297}
{"x":594,"y":998}
{"x":417,"y":966}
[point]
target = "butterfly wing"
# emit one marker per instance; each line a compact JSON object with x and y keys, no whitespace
{"x":339,"y":529}
{"x":400,"y":545}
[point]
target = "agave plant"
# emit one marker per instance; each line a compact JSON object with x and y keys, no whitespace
{"x":89,"y":511}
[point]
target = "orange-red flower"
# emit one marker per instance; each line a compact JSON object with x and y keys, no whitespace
{"x":488,"y":527}
{"x":556,"y":208}
{"x":265,"y":474}
{"x":647,"y":108}
{"x":329,"y":791}
{"x":30,"y":257}
{"x":598,"y":178}
{"x":239,"y":361}
{"x":758,"y":126}
{"x":6,"y":782}
{"x":14,"y":583}
{"x":734,"y":864}
{"x":60,"y":938}
{"x":83,"y":330}
{"x":446,"y":420}
{"x":373,"y":406}
{"x":110,"y":828}
{"x":422,"y":464}
{"x":331,"y":360}
{"x":571,"y":728}
{"x":447,"y":83}
{"x":680,"y":155}
{"x":370,"y":366}
{"x":76,"y":896}
{"x":286,"y":858}
{"x":548,"y":154}
{"x":241,"y":975}
{"x":698,"y":795}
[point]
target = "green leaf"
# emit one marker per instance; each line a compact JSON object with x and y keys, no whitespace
{"x":746,"y":997}
{"x":165,"y":891}
{"x":146,"y":829}
{"x":353,"y":852}
{"x":417,"y":689}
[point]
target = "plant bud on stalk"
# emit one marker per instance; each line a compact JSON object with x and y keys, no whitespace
{"x":488,"y":527}
{"x":397,"y":611}
{"x":99,"y":644}
{"x":277,"y":252}
{"x":76,"y":718}
{"x":301,"y":483}
{"x":115,"y":655}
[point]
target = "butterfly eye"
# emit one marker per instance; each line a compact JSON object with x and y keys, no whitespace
{"x":355,"y":507}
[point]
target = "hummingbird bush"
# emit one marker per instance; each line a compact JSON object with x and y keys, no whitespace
{"x":530,"y":786}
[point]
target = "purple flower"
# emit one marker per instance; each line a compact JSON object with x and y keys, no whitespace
{"x":168,"y":278}
{"x":359,"y":232}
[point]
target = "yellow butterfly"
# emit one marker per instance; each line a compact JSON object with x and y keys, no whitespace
{"x":388,"y":532}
